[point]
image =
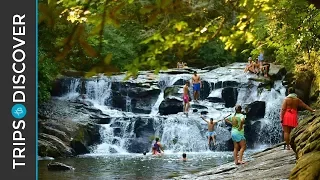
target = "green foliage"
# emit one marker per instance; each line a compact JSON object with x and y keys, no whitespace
{"x":110,"y":36}
{"x":213,"y":53}
{"x":47,"y":72}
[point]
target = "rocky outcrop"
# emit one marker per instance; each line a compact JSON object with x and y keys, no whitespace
{"x":276,"y":72}
{"x":230,"y":96}
{"x":305,"y":141}
{"x":273,"y":163}
{"x":171,"y":105}
{"x":66,"y":138}
{"x":67,"y":129}
{"x":57,"y":166}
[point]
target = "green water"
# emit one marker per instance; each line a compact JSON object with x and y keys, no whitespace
{"x":134,"y":166}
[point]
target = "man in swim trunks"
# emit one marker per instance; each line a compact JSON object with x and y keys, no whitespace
{"x":196,"y":86}
{"x":186,"y":98}
{"x":211,"y":133}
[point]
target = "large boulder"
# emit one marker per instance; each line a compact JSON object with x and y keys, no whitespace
{"x":305,"y":141}
{"x":230,"y":96}
{"x":134,"y":97}
{"x":205,"y":90}
{"x":307,"y":167}
{"x":256,"y":110}
{"x":215,"y":99}
{"x":276,"y":72}
{"x":302,"y":84}
{"x":171,"y":106}
{"x":305,"y":137}
{"x":65,"y":138}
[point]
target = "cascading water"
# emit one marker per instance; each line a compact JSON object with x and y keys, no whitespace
{"x":164,"y":82}
{"x":99,"y":90}
{"x":133,"y":132}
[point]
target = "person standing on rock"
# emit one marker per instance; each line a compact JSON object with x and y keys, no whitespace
{"x":186,"y":98}
{"x":289,"y":114}
{"x":196,"y":81}
{"x":237,"y":134}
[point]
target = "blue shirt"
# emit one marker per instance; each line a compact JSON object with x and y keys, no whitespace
{"x":260,"y":57}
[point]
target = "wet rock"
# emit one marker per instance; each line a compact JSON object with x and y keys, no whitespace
{"x":198,"y":106}
{"x":230,"y":84}
{"x":215,"y":100}
{"x":302,"y":84}
{"x":256,"y":110}
{"x":171,"y":106}
{"x":305,"y":141}
{"x":50,"y":145}
{"x":143,"y":129}
{"x":276,"y":72}
{"x":230,"y":96}
{"x":171,"y":91}
{"x":205,"y":90}
{"x":65,"y":138}
{"x":216,"y":85}
{"x":100,"y":119}
{"x":252,"y":133}
{"x":180,"y":82}
{"x":177,"y":71}
{"x":117,"y":132}
{"x":210,"y":68}
{"x":305,"y":137}
{"x":273,"y":163}
{"x":79,"y":147}
{"x":307,"y":167}
{"x":204,"y":112}
{"x":57,"y":166}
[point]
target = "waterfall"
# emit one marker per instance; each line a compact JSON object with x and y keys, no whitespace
{"x":164,"y":82}
{"x":130,"y":131}
{"x":99,"y":90}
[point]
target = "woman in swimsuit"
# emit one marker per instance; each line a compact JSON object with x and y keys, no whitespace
{"x":289,"y":114}
{"x":237,"y":134}
{"x":157,"y":147}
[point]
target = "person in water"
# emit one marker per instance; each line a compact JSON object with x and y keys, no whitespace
{"x":196,"y":81}
{"x":289,"y":114}
{"x":158,"y":146}
{"x":186,"y":98}
{"x":211,"y":132}
{"x":184,"y":156}
{"x":237,"y":134}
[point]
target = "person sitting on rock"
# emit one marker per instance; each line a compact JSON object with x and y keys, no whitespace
{"x":289,"y":114}
{"x":237,"y":134}
{"x":256,"y":67}
{"x":185,"y":65}
{"x":250,"y":66}
{"x":180,"y":65}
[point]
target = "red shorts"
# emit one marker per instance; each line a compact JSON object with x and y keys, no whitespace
{"x":185,"y":98}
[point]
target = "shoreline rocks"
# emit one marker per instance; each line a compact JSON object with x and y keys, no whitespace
{"x":272,"y":163}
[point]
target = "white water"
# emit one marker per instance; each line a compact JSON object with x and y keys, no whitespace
{"x":177,"y":132}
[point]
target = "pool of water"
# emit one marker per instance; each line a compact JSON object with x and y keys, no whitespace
{"x":135,"y":166}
